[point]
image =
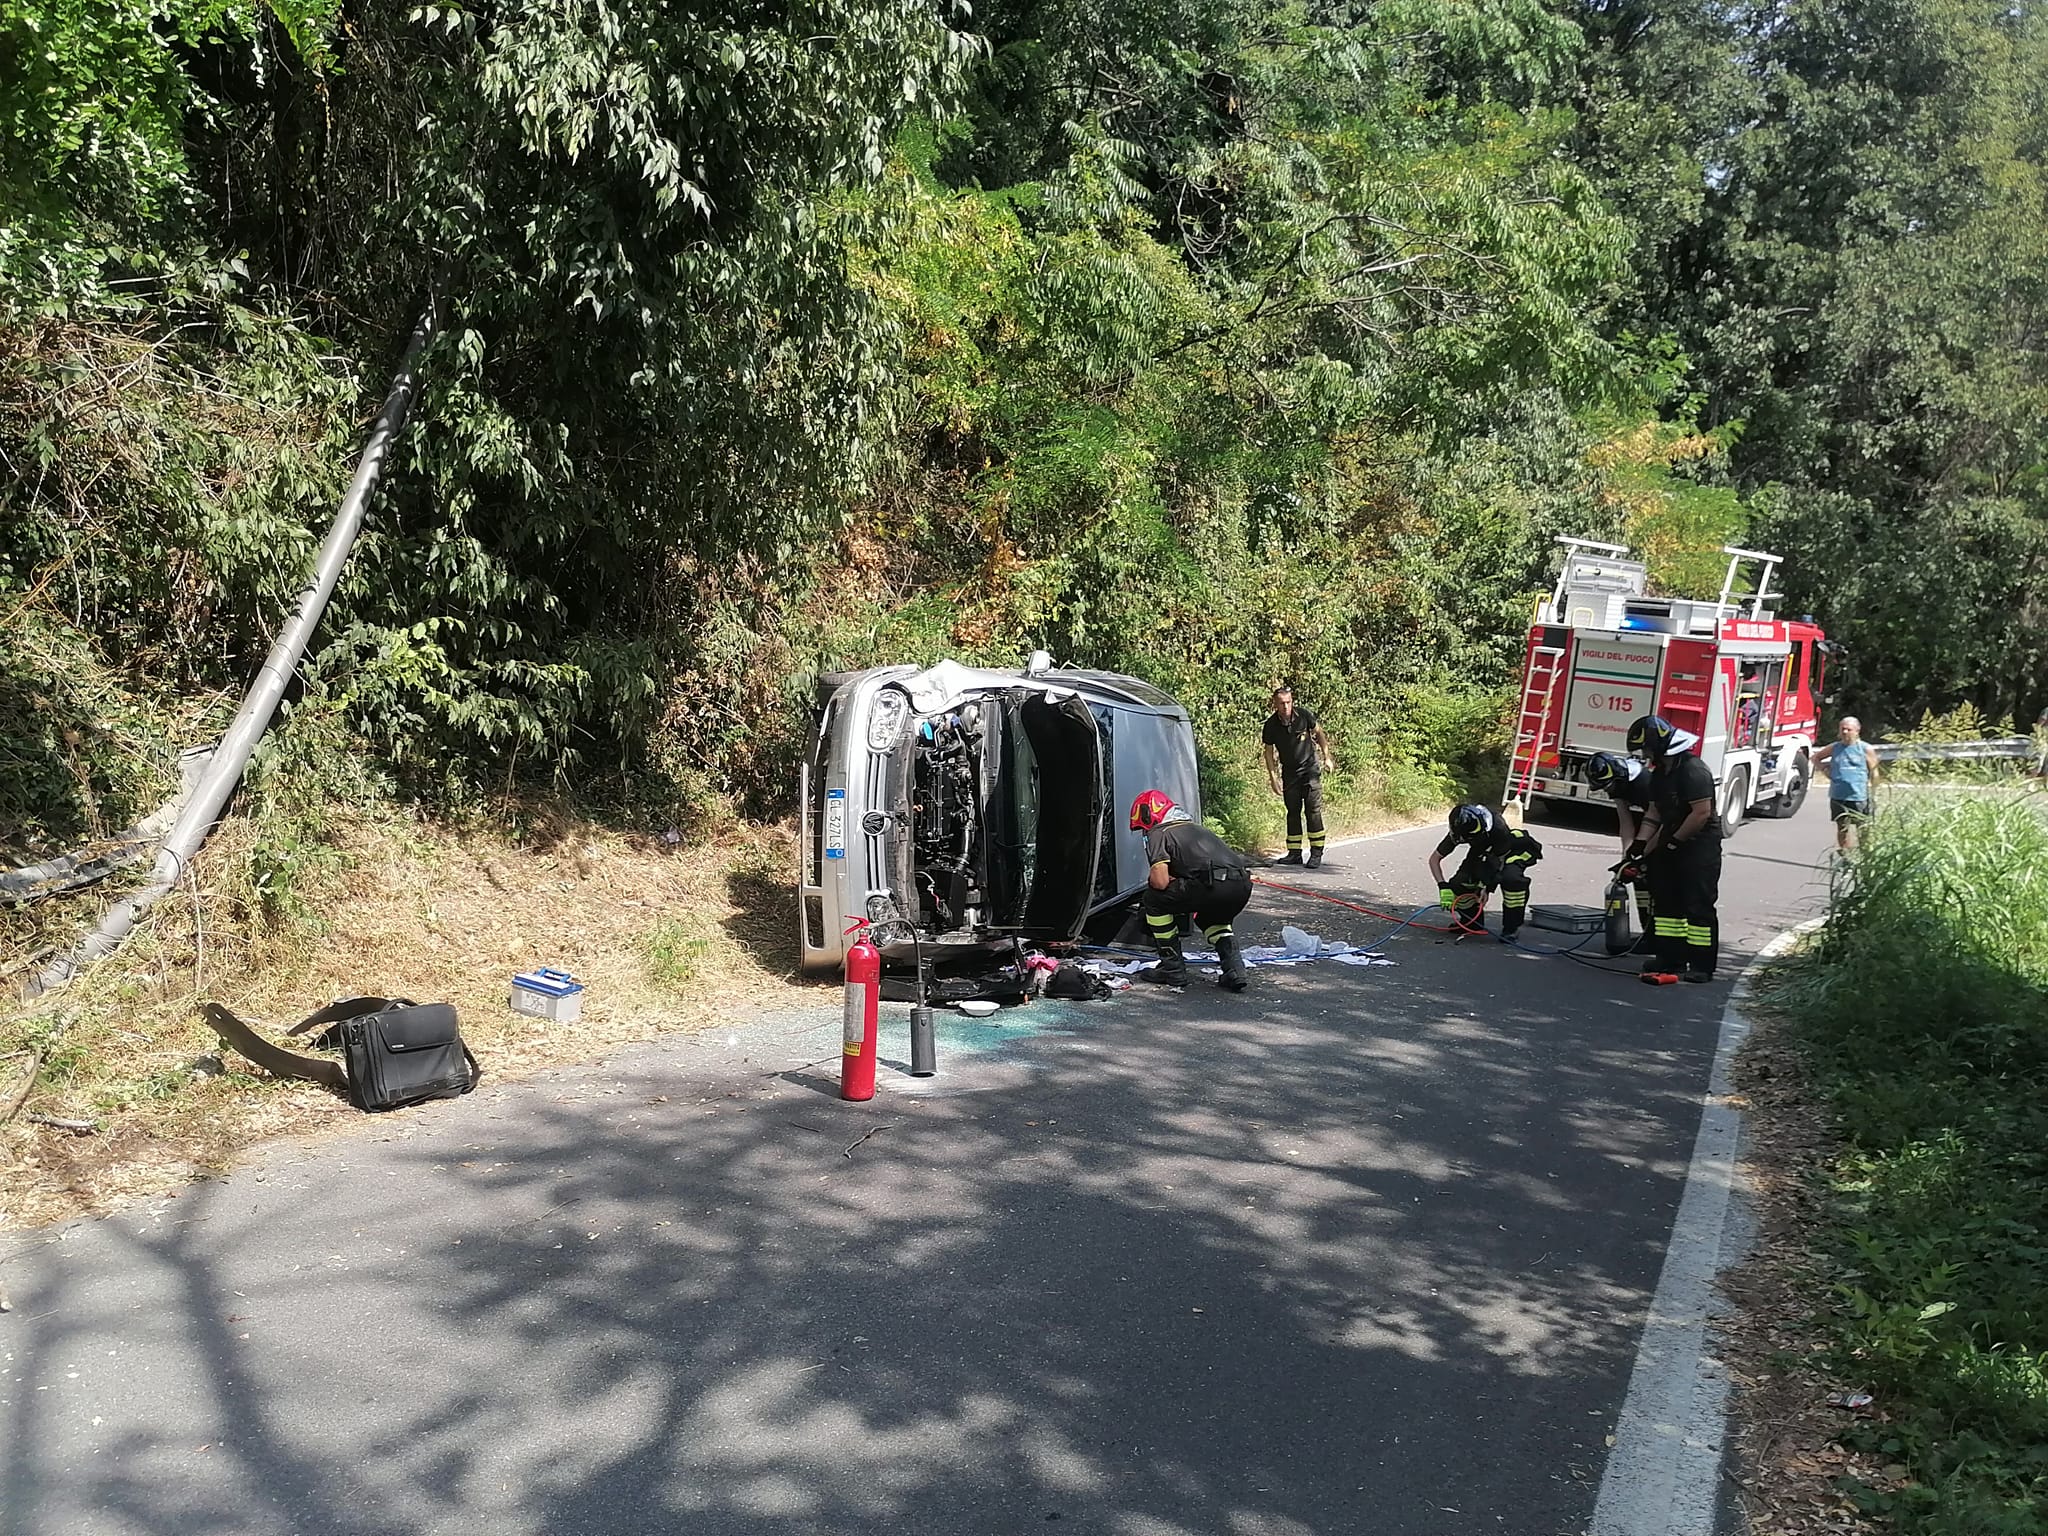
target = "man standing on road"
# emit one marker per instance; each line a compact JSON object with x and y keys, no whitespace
{"x":1496,"y":854}
{"x":1850,"y":763}
{"x":1684,"y":853}
{"x":1627,"y":783}
{"x":1194,"y":874}
{"x":1296,"y":753}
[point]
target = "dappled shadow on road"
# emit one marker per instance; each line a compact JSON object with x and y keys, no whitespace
{"x":1360,"y":1252}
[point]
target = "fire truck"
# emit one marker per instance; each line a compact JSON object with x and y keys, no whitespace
{"x":1603,"y":653}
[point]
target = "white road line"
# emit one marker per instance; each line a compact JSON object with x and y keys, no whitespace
{"x":1373,"y":837}
{"x":1663,"y":1476}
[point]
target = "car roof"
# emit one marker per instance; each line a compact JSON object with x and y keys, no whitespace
{"x":1134,"y":690}
{"x":950,"y":679}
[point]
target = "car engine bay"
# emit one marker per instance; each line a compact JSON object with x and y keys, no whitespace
{"x":946,"y":796}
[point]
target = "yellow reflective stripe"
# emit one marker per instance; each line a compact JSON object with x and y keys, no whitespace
{"x":1161,"y":922}
{"x":1671,"y":928}
{"x":1220,"y":931}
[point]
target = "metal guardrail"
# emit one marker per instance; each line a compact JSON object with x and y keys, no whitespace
{"x":1958,"y":751}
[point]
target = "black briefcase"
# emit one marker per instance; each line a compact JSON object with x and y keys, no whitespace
{"x":397,"y":1052}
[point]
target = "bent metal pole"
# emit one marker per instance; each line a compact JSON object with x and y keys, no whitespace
{"x":204,"y":806}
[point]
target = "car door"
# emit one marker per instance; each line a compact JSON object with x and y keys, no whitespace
{"x":1044,"y":815}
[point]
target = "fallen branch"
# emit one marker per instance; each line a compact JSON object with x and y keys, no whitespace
{"x":75,"y":1127}
{"x":28,"y":1082}
{"x":876,"y":1131}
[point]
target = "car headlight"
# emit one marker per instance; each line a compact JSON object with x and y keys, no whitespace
{"x":885,"y":719}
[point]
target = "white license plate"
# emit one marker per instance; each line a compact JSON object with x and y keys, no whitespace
{"x":835,"y":823}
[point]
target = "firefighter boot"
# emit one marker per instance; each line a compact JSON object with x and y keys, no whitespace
{"x":1315,"y":857}
{"x":1513,"y":906}
{"x":1293,"y":857}
{"x":1172,"y":969}
{"x":1235,"y":978}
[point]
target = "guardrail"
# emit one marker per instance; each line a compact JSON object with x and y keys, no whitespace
{"x":1959,"y":751}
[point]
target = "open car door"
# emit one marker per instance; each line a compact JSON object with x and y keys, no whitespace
{"x":1044,"y":821}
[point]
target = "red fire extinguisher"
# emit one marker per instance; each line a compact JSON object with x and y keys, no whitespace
{"x":863,"y":993}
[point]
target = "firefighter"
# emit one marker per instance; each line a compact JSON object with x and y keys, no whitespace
{"x":1296,"y":753}
{"x":1627,"y":783}
{"x":1684,"y":853}
{"x":1496,"y":854}
{"x":1193,"y":875}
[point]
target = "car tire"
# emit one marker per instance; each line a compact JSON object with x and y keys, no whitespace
{"x":1733,"y":809}
{"x":1787,"y":804}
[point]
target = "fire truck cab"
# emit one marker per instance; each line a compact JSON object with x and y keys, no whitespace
{"x":1602,"y":653}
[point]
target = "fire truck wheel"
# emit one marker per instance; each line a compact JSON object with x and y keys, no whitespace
{"x":1736,"y":804}
{"x":1787,"y":804}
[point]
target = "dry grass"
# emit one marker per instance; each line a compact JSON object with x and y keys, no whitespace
{"x":663,"y":939}
{"x":1787,"y":1462}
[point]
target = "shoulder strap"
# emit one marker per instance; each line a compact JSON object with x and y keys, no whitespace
{"x":348,"y":1008}
{"x":272,"y":1058}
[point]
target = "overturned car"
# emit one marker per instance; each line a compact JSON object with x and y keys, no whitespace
{"x":959,"y":806}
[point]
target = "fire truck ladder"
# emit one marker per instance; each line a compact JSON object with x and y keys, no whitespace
{"x":1538,"y":694}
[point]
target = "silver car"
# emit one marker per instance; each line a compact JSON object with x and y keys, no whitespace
{"x":955,"y":805}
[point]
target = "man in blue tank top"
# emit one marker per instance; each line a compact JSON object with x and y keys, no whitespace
{"x":1850,"y":763}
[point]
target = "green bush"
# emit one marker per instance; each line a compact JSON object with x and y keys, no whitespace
{"x":676,"y":950}
{"x":1926,"y":1001}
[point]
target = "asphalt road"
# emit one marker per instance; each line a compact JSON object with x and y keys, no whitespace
{"x":1362,"y":1251}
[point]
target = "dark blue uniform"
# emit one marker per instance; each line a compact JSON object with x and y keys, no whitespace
{"x":1685,"y":877}
{"x":1293,"y":741}
{"x":1497,"y":855}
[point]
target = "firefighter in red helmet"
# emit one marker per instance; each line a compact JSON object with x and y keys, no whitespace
{"x":1194,"y":875}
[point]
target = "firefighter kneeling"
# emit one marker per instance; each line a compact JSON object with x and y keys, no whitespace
{"x":1193,"y":874}
{"x":1496,"y":855}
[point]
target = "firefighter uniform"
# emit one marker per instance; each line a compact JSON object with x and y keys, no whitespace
{"x":1210,"y":884}
{"x":1293,"y":740}
{"x":1495,"y":855}
{"x":1685,"y":877}
{"x":1629,"y":788}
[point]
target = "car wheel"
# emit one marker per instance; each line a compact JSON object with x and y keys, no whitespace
{"x":1732,"y":809}
{"x":1786,"y":806}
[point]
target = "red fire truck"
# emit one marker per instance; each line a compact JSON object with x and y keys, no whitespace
{"x":1602,"y":653}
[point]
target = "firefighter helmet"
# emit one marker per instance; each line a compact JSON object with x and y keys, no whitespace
{"x":1149,"y":810}
{"x":1470,"y":820}
{"x":1652,"y":737}
{"x":1607,"y":772}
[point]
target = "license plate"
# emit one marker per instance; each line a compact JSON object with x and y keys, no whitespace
{"x":835,"y":823}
